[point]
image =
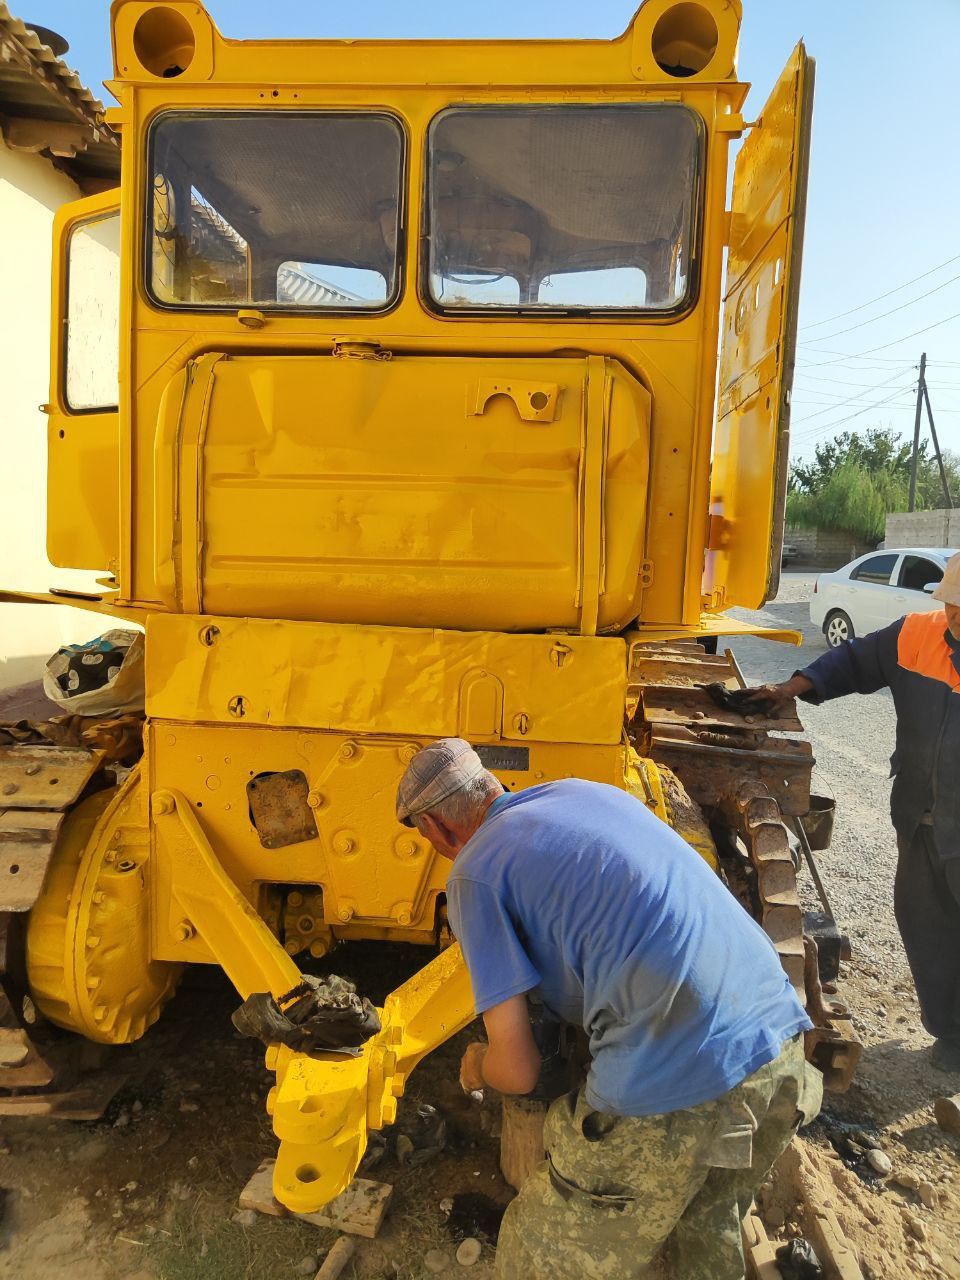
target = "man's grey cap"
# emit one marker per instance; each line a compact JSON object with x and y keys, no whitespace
{"x":437,"y":771}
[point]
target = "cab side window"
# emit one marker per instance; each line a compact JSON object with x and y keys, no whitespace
{"x":876,"y":570}
{"x":918,"y":572}
{"x":91,"y":320}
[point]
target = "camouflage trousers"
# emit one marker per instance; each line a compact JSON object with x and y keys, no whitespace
{"x":615,"y":1189}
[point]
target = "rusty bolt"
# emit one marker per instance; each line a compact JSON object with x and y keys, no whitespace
{"x":10,"y":789}
{"x":306,"y":924}
{"x":295,"y":899}
{"x":184,"y":931}
{"x":237,"y":706}
{"x":32,"y":770}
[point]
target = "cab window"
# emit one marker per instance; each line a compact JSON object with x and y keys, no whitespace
{"x":91,"y":357}
{"x":876,"y":570}
{"x":563,"y":208}
{"x":917,"y":572}
{"x":275,"y":210}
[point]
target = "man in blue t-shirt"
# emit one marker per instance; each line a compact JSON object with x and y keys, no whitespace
{"x":574,"y":891}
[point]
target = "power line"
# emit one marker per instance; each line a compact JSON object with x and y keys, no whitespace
{"x":898,"y":373}
{"x":885,"y":345}
{"x":830,"y":426}
{"x":883,"y":314}
{"x":880,"y":297}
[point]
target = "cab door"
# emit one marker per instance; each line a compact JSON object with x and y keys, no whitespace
{"x":83,"y":435}
{"x":752,"y":435}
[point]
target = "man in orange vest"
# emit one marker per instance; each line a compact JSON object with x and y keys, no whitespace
{"x":918,"y":660}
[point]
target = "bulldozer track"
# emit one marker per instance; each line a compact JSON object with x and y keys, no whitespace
{"x":745,"y":780}
{"x":43,"y":1071}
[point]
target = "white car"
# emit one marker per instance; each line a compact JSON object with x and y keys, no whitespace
{"x":877,"y":589}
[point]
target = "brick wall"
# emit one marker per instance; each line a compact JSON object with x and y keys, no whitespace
{"x":823,"y":549}
{"x":923,"y":528}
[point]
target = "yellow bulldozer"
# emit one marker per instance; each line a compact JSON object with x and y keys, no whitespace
{"x":386,"y":400}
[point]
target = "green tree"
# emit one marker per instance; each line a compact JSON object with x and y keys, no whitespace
{"x":856,"y":480}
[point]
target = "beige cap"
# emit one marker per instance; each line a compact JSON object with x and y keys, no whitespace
{"x":436,"y":772}
{"x":949,"y":589}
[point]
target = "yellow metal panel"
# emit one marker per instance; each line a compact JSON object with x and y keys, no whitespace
{"x":83,"y":449}
{"x":384,"y":680}
{"x":432,"y":494}
{"x":378,"y":878}
{"x":194,"y":45}
{"x":759,"y":339}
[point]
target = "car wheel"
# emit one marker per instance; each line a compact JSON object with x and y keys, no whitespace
{"x":838,"y":629}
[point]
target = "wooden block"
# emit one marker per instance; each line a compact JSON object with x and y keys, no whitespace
{"x":336,"y":1259}
{"x":759,"y":1253}
{"x":358,"y":1211}
{"x":258,"y":1193}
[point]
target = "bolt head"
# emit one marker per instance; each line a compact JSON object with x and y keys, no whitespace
{"x":162,"y":803}
{"x":348,"y":751}
{"x":315,"y":799}
{"x":345,"y":914}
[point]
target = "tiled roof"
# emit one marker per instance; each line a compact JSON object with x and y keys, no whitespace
{"x":46,"y":108}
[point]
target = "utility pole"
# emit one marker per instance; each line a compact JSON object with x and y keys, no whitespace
{"x":947,"y":500}
{"x":921,"y":390}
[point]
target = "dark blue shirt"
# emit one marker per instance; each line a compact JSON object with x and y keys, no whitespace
{"x":575,"y":888}
{"x":918,"y":660}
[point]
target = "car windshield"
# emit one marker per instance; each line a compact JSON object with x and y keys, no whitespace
{"x":271,"y":209}
{"x":563,"y":207}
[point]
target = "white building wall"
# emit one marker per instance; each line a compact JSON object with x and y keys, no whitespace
{"x":31,"y":190}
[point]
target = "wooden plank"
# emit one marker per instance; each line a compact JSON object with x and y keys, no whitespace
{"x":358,"y":1211}
{"x":759,"y":1253}
{"x":258,"y":1193}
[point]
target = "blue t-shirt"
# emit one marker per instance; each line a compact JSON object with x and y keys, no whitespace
{"x":576,"y":889}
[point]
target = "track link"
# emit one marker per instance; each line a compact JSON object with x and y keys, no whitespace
{"x":745,"y":780}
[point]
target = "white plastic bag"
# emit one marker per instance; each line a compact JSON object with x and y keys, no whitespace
{"x":103,"y":677}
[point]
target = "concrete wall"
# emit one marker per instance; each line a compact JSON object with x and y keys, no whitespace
{"x":923,"y":529}
{"x":824,"y":549}
{"x":31,"y":190}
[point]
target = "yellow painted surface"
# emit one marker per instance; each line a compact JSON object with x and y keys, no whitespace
{"x":384,"y":680}
{"x":350,"y":532}
{"x":310,"y":502}
{"x":83,"y":433}
{"x":756,"y":368}
{"x":31,"y":191}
